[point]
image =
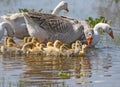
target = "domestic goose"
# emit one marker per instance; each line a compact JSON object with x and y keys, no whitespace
{"x":15,"y":23}
{"x":47,"y":27}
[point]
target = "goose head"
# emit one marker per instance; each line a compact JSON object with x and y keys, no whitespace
{"x":7,"y":26}
{"x":89,"y":36}
{"x":107,"y":28}
{"x":96,"y":36}
{"x":63,"y":5}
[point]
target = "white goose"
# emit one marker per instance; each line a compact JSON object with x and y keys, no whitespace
{"x":96,"y":36}
{"x":47,"y":27}
{"x":63,"y":5}
{"x":15,"y":22}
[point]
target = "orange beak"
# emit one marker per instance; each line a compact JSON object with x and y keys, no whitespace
{"x":111,"y":34}
{"x":89,"y":40}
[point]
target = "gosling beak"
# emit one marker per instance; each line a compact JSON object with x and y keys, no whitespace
{"x":89,"y":40}
{"x":111,"y":34}
{"x":67,"y":10}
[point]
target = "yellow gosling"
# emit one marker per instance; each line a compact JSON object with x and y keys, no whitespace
{"x":63,"y":50}
{"x":78,"y":47}
{"x":10,"y":50}
{"x":10,"y":39}
{"x":29,"y":39}
{"x":38,"y":50}
{"x":83,"y":51}
{"x":52,"y":49}
{"x":49,"y":44}
{"x":29,"y":45}
{"x":5,"y":40}
{"x":73,"y":46}
{"x":57,"y":44}
{"x":9,"y":42}
{"x":25,"y":39}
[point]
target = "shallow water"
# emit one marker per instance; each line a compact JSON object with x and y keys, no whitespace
{"x":100,"y":67}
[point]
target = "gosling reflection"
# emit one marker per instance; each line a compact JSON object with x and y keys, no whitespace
{"x":47,"y":69}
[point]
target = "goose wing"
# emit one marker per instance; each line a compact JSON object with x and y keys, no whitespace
{"x":51,"y":23}
{"x":57,"y":27}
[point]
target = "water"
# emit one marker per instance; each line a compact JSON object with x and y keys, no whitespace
{"x":100,"y":68}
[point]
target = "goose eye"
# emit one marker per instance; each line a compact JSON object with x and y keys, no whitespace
{"x":89,"y":34}
{"x":110,"y":29}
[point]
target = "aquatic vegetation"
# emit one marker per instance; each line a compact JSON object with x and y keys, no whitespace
{"x":63,"y":74}
{"x":93,"y":21}
{"x":116,"y":1}
{"x":82,"y":74}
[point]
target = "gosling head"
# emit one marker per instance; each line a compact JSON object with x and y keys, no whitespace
{"x":42,"y":46}
{"x":57,"y":44}
{"x":73,"y":46}
{"x":49,"y":44}
{"x":35,"y":40}
{"x":78,"y":44}
{"x":63,"y":48}
{"x":10,"y":39}
{"x":29,"y":39}
{"x":25,"y":39}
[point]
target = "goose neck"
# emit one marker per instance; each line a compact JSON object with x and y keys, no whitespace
{"x":96,"y":30}
{"x":56,"y":10}
{"x":8,"y":28}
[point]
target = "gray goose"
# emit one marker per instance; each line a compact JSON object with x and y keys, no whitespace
{"x":47,"y":27}
{"x":16,"y":23}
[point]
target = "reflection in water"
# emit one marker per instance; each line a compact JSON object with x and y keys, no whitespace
{"x":41,"y":71}
{"x":44,"y":70}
